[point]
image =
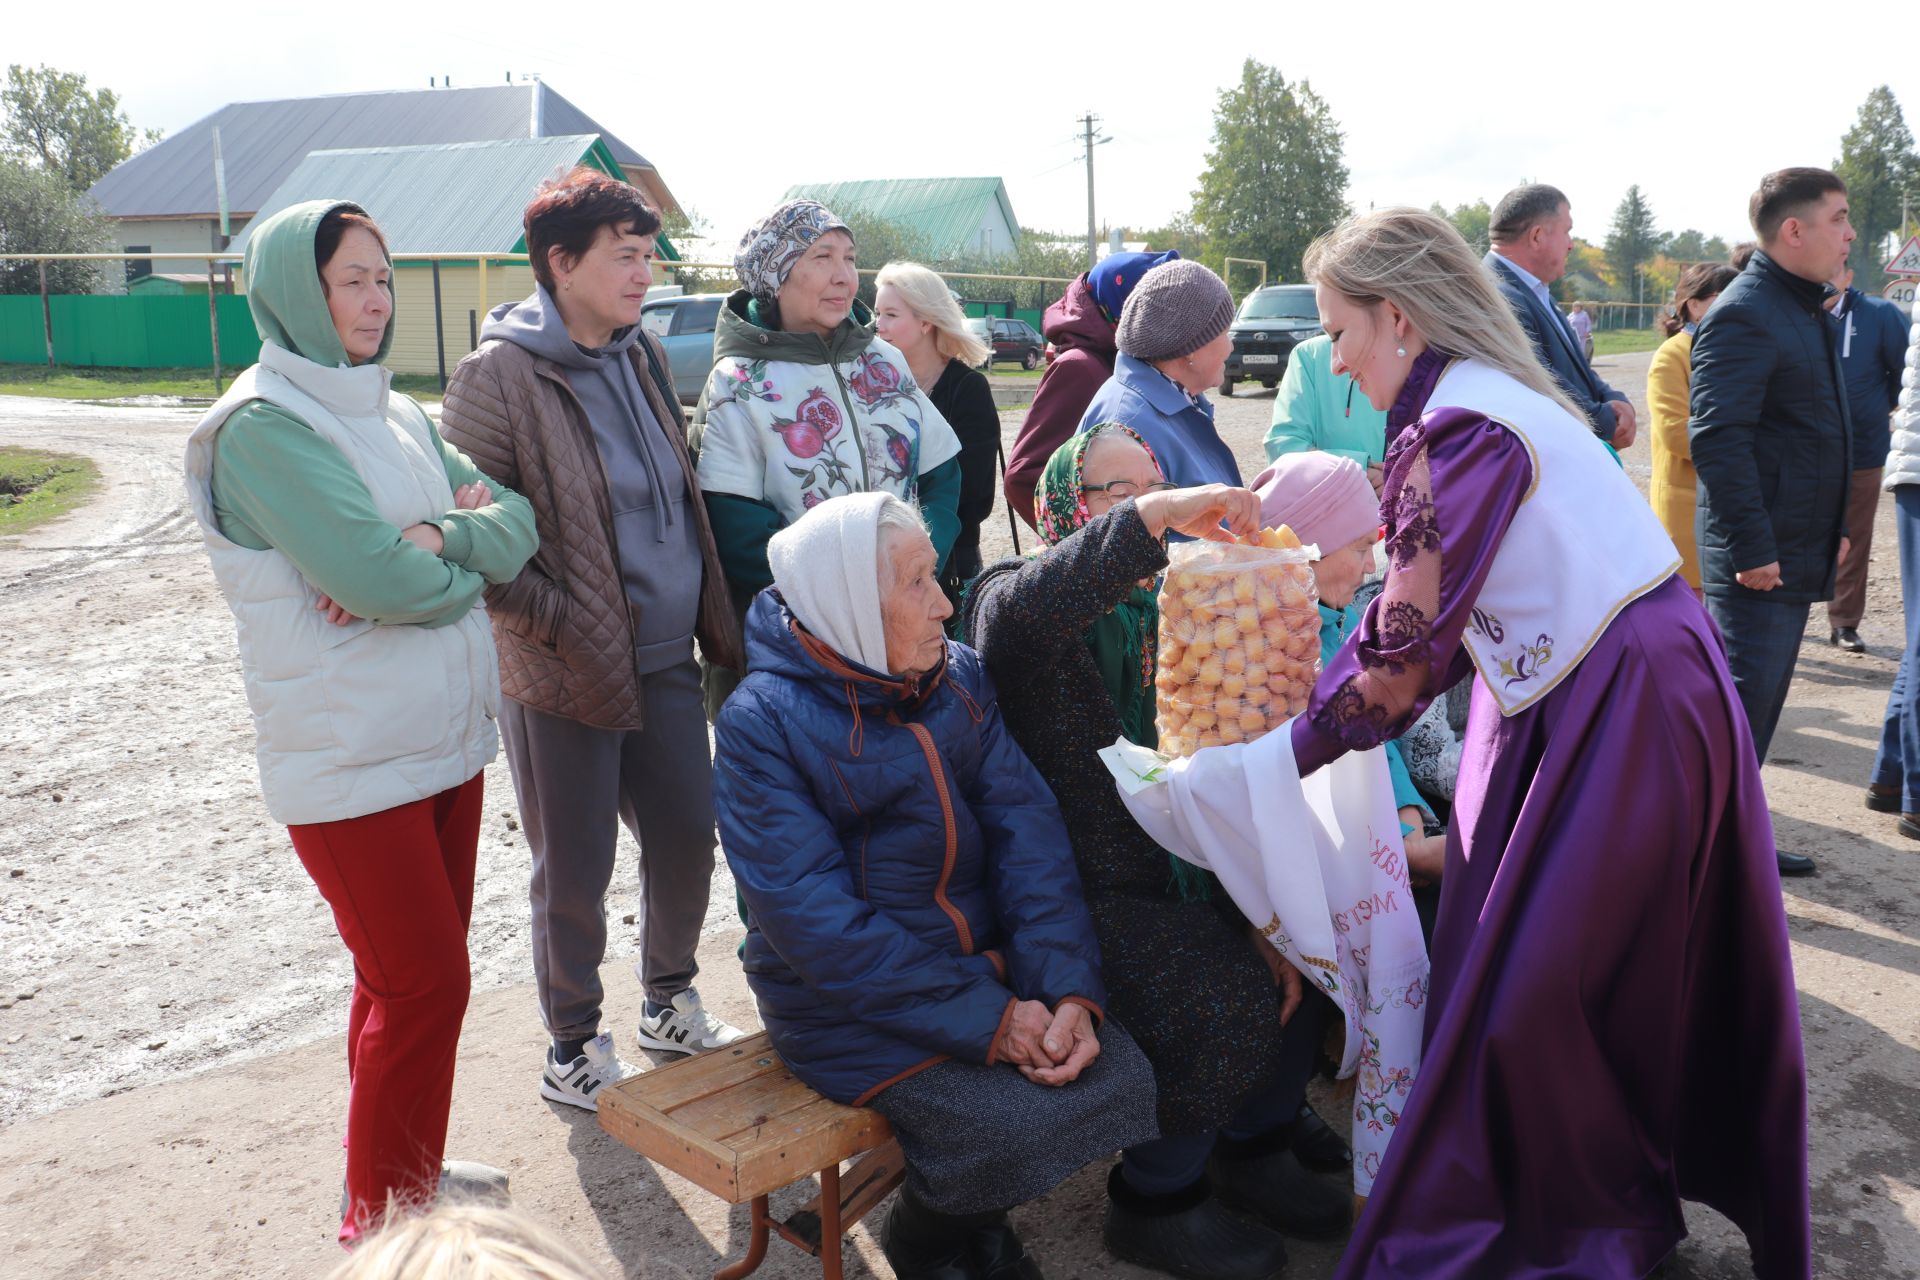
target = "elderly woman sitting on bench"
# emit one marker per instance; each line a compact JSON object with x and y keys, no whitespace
{"x":917,"y":942}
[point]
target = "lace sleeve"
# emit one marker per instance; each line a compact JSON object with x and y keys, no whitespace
{"x":1454,"y":481}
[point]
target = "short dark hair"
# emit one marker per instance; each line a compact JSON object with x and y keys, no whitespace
{"x":567,"y":215}
{"x":333,"y":228}
{"x":1742,"y":254}
{"x":1701,"y":280}
{"x":1789,"y":193}
{"x":1521,"y":208}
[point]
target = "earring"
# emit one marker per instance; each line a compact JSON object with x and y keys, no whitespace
{"x":1401,"y":352}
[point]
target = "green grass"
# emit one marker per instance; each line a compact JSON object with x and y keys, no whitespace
{"x":36,"y":486}
{"x":1619,"y":342}
{"x":1015,"y":371}
{"x":78,"y":382}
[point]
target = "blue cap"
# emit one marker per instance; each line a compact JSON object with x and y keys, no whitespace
{"x":1116,"y":275}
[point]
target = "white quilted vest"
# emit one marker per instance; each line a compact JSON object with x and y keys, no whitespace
{"x":1903,"y":456}
{"x":1582,"y":546}
{"x":356,"y":719}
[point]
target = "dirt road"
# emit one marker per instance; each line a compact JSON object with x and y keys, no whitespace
{"x":159,"y":940}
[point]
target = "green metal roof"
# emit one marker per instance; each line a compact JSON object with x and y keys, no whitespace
{"x":444,"y":198}
{"x":944,"y":211}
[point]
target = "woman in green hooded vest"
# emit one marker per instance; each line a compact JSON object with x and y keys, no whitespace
{"x":352,"y":545}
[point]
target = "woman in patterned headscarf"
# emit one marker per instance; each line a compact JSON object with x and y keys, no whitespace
{"x":806,"y":403}
{"x":1068,"y":636}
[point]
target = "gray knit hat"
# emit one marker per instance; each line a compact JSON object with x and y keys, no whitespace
{"x":1177,"y":308}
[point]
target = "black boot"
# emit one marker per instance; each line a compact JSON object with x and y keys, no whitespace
{"x":1189,"y":1234}
{"x":1263,"y":1177}
{"x":1318,"y":1146}
{"x":920,"y":1244}
{"x":923,"y":1244}
{"x":998,"y":1253}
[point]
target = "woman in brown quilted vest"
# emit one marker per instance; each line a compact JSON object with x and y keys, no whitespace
{"x":603,"y":719}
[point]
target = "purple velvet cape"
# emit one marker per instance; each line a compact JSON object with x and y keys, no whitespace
{"x":1613,"y":1024}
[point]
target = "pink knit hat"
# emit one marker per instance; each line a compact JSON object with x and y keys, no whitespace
{"x":1324,"y":498}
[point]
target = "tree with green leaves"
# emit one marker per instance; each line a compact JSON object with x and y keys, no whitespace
{"x":40,"y":213}
{"x":1632,"y":241}
{"x":54,"y":120}
{"x":1695,"y":246}
{"x":1471,"y":221}
{"x":1276,"y":176}
{"x":1878,"y":164}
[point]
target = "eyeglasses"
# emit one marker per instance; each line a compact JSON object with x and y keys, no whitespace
{"x":1121,"y":490}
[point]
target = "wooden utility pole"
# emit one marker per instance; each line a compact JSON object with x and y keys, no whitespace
{"x":1086,"y":124}
{"x":46,"y":312}
{"x":213,"y":324}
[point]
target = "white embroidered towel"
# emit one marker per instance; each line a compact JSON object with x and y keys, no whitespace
{"x":1320,"y":861}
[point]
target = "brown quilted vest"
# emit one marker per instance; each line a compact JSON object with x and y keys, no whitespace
{"x":563,"y":627}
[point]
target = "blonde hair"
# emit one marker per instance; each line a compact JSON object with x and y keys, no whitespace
{"x":1420,"y":263}
{"x":465,"y":1241}
{"x":928,"y":297}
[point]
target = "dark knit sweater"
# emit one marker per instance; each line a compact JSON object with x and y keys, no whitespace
{"x":1182,"y":977}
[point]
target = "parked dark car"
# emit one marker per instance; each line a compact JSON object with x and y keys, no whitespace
{"x":684,"y":325}
{"x":1271,"y":322}
{"x":1016,"y":340}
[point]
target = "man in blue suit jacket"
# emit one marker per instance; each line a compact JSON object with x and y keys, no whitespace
{"x":1532,"y":233}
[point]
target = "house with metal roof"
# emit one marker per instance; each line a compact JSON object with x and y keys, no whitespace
{"x":463,"y":199}
{"x":953,"y":216}
{"x":166,"y":199}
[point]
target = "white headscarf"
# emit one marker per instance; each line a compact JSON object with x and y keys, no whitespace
{"x":827,"y":566}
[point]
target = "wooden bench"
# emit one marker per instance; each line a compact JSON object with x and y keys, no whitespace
{"x":736,"y":1122}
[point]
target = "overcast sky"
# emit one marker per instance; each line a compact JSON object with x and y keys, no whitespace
{"x":733,"y":102}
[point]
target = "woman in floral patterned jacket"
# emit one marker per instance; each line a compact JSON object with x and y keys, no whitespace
{"x":805,"y":403}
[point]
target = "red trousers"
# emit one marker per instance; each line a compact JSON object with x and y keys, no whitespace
{"x":400,"y":883}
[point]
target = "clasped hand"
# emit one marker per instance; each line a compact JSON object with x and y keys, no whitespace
{"x":1048,"y":1048}
{"x":468,"y":497}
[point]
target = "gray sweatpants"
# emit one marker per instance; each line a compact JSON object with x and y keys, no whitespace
{"x":576,"y":784}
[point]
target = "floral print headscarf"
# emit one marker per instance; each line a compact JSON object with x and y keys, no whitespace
{"x":1059,"y":502}
{"x":769,"y":249}
{"x":1124,"y":642}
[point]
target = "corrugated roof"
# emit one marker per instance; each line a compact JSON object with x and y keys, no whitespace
{"x":459,"y":197}
{"x":262,"y":142}
{"x":945,"y":211}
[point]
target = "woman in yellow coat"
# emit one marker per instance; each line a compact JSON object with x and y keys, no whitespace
{"x":1669,"y":381}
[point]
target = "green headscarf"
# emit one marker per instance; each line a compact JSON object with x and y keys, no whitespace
{"x":1124,"y":641}
{"x":283,"y":285}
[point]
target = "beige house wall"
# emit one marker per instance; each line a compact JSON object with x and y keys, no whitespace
{"x":413,"y":338}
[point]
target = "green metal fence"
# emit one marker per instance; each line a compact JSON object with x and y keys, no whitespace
{"x":129,"y":332}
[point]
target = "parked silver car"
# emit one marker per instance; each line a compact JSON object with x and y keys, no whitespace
{"x":684,"y":324}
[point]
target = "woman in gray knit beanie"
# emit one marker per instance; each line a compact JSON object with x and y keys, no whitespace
{"x":1174,"y":338}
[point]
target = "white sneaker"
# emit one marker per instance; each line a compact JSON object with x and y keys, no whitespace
{"x":578,"y":1083}
{"x":685,"y":1026}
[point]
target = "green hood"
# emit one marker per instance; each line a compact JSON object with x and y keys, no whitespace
{"x":283,"y":285}
{"x":739,"y":334}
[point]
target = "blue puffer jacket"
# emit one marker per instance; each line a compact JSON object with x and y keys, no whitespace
{"x":906,"y":871}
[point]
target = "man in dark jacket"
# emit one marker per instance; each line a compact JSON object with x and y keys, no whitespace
{"x":1772,"y":444}
{"x":1081,"y":327}
{"x":1532,"y":233}
{"x":1872,"y":333}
